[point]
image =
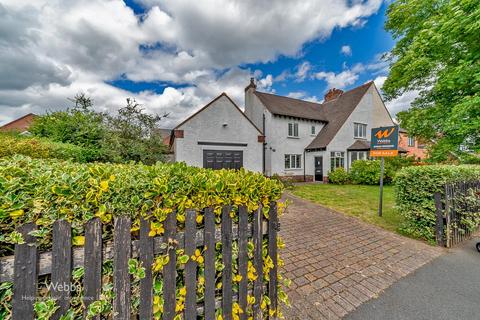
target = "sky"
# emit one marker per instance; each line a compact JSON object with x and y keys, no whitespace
{"x":174,"y":56}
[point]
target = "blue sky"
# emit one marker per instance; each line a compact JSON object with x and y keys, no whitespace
{"x":174,"y":56}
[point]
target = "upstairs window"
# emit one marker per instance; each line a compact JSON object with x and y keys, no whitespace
{"x":360,"y":130}
{"x":293,"y":161}
{"x":411,"y":141}
{"x":293,"y":129}
{"x":313,"y":130}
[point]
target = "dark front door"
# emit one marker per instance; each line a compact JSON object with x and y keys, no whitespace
{"x":222,"y":159}
{"x":318,"y":168}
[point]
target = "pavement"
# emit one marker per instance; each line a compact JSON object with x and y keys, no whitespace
{"x":337,"y":263}
{"x":447,"y":288}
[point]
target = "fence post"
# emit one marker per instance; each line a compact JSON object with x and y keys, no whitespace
{"x":61,"y":266}
{"x":272,"y":252}
{"x":439,"y":223}
{"x":121,"y":278}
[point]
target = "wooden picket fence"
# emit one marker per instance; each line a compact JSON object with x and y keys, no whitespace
{"x":449,"y":229}
{"x":27,"y":265}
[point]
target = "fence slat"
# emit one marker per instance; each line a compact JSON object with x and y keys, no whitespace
{"x":122,"y":243}
{"x":92,"y":280}
{"x":227,"y":263}
{"x":439,"y":219}
{"x":61,"y":266}
{"x":272,"y":252}
{"x":243,"y":260}
{"x":146,"y":258}
{"x":209,"y":235}
{"x":191,"y":266}
{"x":25,"y":275}
{"x":258,"y":263}
{"x":169,"y":270}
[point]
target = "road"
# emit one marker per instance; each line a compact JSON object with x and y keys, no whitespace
{"x":447,"y":288}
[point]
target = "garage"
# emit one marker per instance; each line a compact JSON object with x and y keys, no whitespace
{"x":222,"y":159}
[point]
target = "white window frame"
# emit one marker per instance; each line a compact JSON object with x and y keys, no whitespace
{"x":292,"y":131}
{"x":293,"y":161}
{"x":337,"y":160}
{"x":359,"y":130}
{"x":411,"y":141}
{"x":359,"y":155}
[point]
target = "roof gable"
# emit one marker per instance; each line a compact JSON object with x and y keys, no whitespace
{"x":337,"y":112}
{"x":212,"y":103}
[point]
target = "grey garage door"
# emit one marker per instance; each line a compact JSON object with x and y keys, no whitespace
{"x":222,"y":159}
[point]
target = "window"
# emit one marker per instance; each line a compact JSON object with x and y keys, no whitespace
{"x":293,"y":129}
{"x":312,"y":131}
{"x":358,"y":155}
{"x":411,"y":141}
{"x":337,"y":160}
{"x":360,"y":130}
{"x":293,"y":161}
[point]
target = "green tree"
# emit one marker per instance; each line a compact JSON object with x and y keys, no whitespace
{"x":438,"y":53}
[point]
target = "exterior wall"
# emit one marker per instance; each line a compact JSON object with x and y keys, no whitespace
{"x":207,"y":126}
{"x":416,"y":151}
{"x":20,"y":125}
{"x":370,"y":111}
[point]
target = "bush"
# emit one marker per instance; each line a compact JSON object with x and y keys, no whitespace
{"x":287,"y":183}
{"x":43,"y":191}
{"x":338,"y":176}
{"x":365,"y":172}
{"x":11,"y":144}
{"x":415,"y":187}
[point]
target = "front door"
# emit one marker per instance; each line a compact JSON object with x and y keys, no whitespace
{"x":318,"y":168}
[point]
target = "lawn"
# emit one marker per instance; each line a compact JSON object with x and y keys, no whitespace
{"x":355,"y":200}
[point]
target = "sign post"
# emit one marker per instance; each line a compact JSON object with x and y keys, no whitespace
{"x":384,"y":144}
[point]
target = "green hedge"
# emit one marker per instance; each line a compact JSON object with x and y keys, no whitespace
{"x":43,"y":191}
{"x":338,"y":176}
{"x":415,"y":187}
{"x":11,"y":144}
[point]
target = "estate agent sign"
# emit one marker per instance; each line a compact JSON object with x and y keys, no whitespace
{"x":384,"y":142}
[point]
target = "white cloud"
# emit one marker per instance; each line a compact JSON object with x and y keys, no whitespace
{"x":346,"y":50}
{"x":398,"y":104}
{"x":338,"y":80}
{"x":302,"y":71}
{"x":50,"y":50}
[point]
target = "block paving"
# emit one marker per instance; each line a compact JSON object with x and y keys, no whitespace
{"x":337,"y":262}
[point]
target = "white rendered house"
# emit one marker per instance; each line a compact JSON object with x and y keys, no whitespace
{"x":279,"y":135}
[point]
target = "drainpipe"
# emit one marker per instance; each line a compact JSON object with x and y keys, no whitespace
{"x":264,"y":145}
{"x":304,"y":161}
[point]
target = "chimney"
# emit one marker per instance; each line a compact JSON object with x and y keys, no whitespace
{"x":332,"y":94}
{"x":251,"y":85}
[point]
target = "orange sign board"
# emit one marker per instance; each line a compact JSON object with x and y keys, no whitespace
{"x":383,"y":153}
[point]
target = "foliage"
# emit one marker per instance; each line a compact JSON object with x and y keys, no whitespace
{"x":287,"y":183}
{"x":415,"y":188}
{"x":338,"y":176}
{"x":438,"y":54}
{"x":368,"y":171}
{"x":131,"y":135}
{"x":47,"y":190}
{"x":11,"y":144}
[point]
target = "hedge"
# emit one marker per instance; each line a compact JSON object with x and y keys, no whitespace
{"x":11,"y":144}
{"x":43,"y":191}
{"x":415,"y":188}
{"x":338,"y":176}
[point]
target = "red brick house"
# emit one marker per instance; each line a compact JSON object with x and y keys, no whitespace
{"x":411,"y":145}
{"x":21,"y":124}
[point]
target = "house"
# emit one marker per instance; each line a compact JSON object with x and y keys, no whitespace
{"x":20,"y":125}
{"x":292,"y":138}
{"x":218,"y":136}
{"x":411,"y":145}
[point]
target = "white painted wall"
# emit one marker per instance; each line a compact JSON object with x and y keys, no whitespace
{"x":370,"y":111}
{"x":207,"y":126}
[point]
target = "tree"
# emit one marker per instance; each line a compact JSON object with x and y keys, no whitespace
{"x":132,"y":135}
{"x":438,"y":53}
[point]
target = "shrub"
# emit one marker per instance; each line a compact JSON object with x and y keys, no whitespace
{"x":338,"y":176}
{"x":11,"y":144}
{"x":287,"y":183}
{"x":365,"y":172}
{"x":47,"y":190}
{"x":415,"y":187}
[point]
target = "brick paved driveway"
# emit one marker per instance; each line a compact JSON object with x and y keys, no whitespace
{"x":337,"y":262}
